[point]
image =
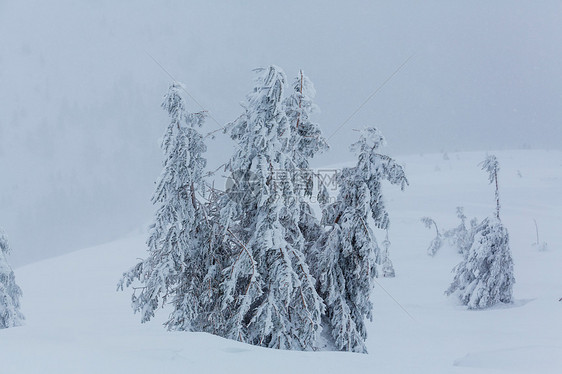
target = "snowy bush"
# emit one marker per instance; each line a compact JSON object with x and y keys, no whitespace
{"x":461,"y":236}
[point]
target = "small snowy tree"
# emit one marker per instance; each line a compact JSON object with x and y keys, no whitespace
{"x":485,"y":276}
{"x":346,"y":256}
{"x":387,"y":267}
{"x":268,"y":294}
{"x":178,"y":243}
{"x":10,"y":292}
{"x":437,"y":242}
{"x":461,"y":236}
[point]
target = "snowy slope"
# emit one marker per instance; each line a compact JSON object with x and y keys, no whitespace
{"x":78,"y":323}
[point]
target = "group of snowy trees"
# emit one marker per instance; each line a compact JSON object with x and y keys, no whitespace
{"x":460,"y":237}
{"x":10,"y":293}
{"x":485,"y":275}
{"x":252,"y":262}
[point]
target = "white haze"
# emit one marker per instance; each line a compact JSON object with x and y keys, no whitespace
{"x":80,"y":92}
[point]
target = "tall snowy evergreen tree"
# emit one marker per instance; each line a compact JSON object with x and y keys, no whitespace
{"x":305,"y":141}
{"x":178,"y":244}
{"x":10,"y":292}
{"x":268,"y":294}
{"x":346,"y":255}
{"x":485,"y":276}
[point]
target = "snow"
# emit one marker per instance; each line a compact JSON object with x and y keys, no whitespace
{"x":76,"y":322}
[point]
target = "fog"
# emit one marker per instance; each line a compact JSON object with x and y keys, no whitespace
{"x":81,"y":84}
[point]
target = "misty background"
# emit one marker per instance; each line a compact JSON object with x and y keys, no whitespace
{"x":81,"y":85}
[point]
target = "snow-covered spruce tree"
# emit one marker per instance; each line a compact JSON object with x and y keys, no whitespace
{"x":10,"y":292}
{"x":485,"y":276}
{"x":305,"y":141}
{"x":177,"y":259}
{"x":436,"y":242}
{"x":346,"y":255}
{"x":268,"y":294}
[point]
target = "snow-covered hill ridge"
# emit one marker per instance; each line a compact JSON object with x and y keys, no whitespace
{"x":77,"y":322}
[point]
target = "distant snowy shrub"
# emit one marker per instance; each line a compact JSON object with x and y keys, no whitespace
{"x":461,"y":237}
{"x":436,"y":242}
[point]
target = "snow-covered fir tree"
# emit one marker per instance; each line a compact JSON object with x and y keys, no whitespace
{"x":268,"y":294}
{"x":437,"y":242}
{"x":346,"y":255}
{"x":178,"y":244}
{"x":305,"y":141}
{"x":10,"y":292}
{"x":485,"y":276}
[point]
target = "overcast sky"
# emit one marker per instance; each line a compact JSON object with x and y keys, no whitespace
{"x":81,"y":84}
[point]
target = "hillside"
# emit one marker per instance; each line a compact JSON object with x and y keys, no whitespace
{"x":78,"y":323}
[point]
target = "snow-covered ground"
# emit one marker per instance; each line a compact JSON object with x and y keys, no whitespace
{"x":78,"y":323}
